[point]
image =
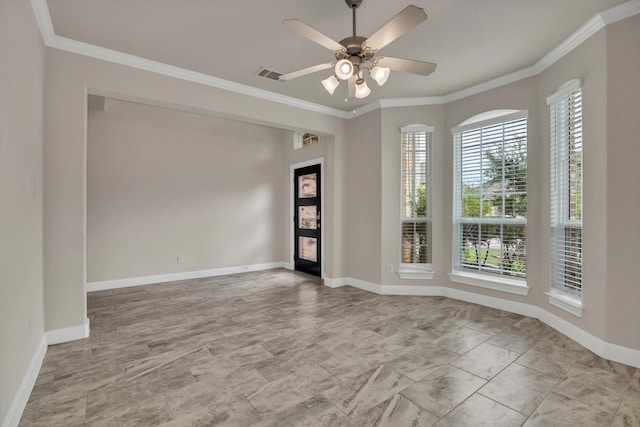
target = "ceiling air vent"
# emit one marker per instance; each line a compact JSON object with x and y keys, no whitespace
{"x":268,"y":74}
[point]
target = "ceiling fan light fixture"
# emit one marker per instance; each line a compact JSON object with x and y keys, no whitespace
{"x":362,"y":90}
{"x":380,"y":74}
{"x":344,"y":69}
{"x":330,"y":84}
{"x":355,"y":54}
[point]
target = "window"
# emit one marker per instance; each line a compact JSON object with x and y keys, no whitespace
{"x":302,"y":139}
{"x":490,"y":201}
{"x":566,"y":192}
{"x":416,"y":244}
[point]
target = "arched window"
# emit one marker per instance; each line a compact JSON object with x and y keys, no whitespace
{"x":416,"y":229}
{"x":565,"y":108}
{"x":490,"y":200}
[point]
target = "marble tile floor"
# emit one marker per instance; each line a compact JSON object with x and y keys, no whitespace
{"x":276,"y":348}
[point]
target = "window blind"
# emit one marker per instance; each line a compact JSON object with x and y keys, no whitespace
{"x":490,"y":197}
{"x":566,"y":191}
{"x":416,"y":196}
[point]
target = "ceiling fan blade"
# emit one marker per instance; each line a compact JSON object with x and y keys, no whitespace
{"x":407,"y":65}
{"x":305,"y":71}
{"x":312,"y":34}
{"x":397,"y":26}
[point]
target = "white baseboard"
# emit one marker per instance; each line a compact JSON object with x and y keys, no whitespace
{"x":72,"y":333}
{"x":172,"y":277}
{"x":21,"y":398}
{"x":610,"y":351}
{"x":333,"y":283}
{"x":55,"y":336}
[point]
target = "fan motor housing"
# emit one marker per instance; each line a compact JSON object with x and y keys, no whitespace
{"x":353,"y":45}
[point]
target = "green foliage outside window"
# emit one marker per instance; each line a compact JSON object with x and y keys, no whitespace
{"x":506,"y":169}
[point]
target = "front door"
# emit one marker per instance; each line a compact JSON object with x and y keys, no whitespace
{"x":306,"y":217}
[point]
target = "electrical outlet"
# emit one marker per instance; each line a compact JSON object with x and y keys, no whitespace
{"x":180,"y":259}
{"x":390,"y":268}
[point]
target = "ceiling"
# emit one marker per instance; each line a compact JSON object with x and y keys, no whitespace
{"x":472,"y":41}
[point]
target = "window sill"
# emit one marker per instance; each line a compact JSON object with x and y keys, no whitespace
{"x":416,"y":273}
{"x":513,"y":286}
{"x":565,"y":301}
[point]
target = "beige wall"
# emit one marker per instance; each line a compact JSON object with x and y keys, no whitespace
{"x":21,"y":118}
{"x":163,"y":183}
{"x":363,"y":178}
{"x":68,"y":78}
{"x":623,"y":182}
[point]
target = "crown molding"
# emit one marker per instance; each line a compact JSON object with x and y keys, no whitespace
{"x":620,"y":12}
{"x":133,"y":61}
{"x":43,"y":18}
{"x":491,"y":84}
{"x":591,"y":27}
{"x":583,"y":33}
{"x":52,"y":40}
{"x":367,"y":108}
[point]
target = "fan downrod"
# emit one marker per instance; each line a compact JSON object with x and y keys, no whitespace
{"x":353,"y":4}
{"x":353,"y":44}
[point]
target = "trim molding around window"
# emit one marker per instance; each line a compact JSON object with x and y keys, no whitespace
{"x":512,"y":286}
{"x":566,"y":154}
{"x":490,"y":202}
{"x":415,"y":192}
{"x":565,"y":301}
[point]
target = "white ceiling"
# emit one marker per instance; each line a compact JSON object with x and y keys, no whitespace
{"x":472,"y":41}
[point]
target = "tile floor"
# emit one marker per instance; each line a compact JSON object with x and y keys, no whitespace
{"x":276,"y":348}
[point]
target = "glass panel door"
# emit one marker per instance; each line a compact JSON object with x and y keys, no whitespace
{"x":307,"y":219}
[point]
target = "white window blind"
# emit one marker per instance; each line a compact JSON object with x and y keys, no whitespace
{"x":490,"y":197}
{"x":566,"y":189}
{"x":416,"y":195}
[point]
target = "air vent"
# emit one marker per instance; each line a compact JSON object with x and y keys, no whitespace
{"x":268,"y":74}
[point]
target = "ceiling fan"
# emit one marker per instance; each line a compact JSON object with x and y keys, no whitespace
{"x":355,"y":54}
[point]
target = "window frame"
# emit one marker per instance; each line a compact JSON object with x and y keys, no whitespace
{"x":561,"y":293}
{"x":459,"y":274}
{"x":304,"y":139}
{"x":417,"y":270}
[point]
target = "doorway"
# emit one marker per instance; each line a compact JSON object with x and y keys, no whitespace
{"x":307,"y":208}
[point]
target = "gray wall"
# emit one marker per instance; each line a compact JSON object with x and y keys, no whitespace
{"x":623,"y":181}
{"x":21,"y":119}
{"x":364,"y":197}
{"x":163,"y":183}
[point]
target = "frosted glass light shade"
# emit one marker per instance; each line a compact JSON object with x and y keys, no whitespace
{"x":330,"y":84}
{"x":380,"y":74}
{"x":344,"y":69}
{"x":362,"y":90}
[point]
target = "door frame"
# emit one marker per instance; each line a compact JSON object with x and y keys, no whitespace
{"x":290,"y":213}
